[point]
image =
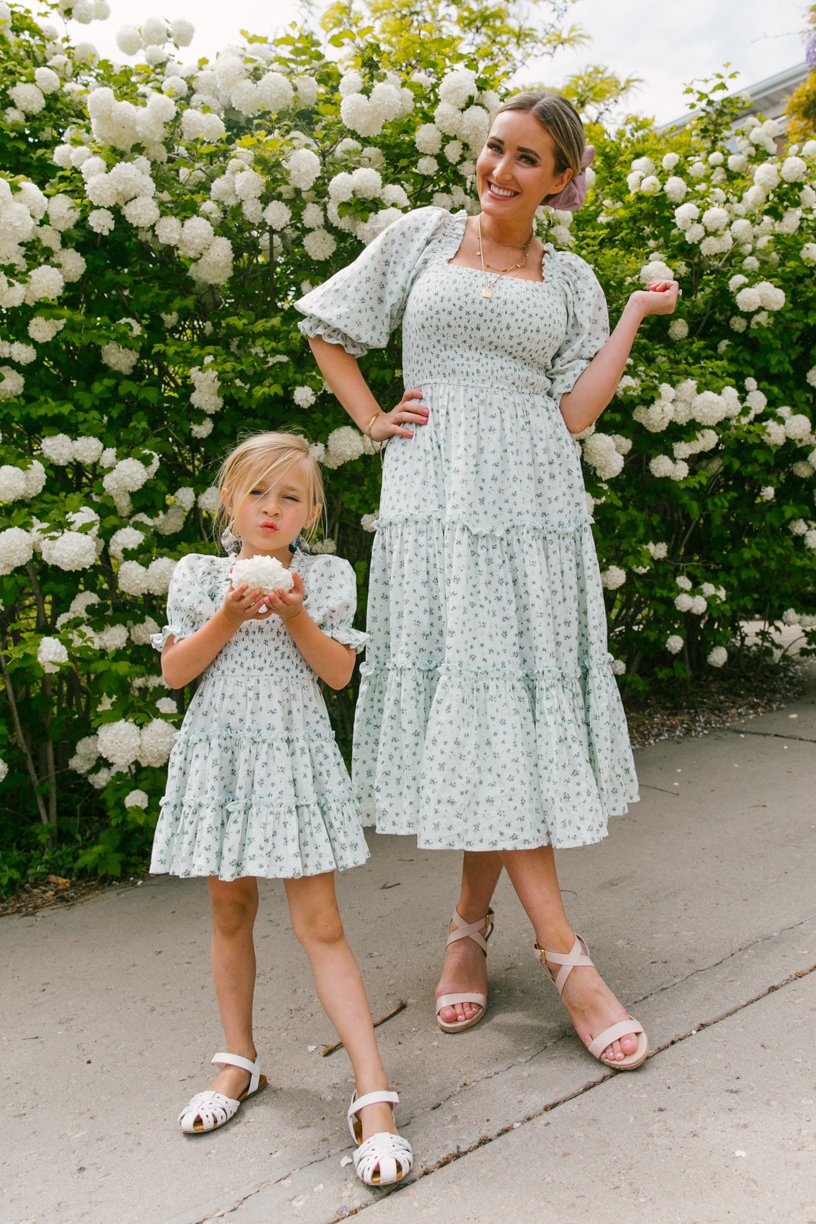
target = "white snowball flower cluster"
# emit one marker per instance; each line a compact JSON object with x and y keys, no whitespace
{"x":674,"y":643}
{"x":601,"y":453}
{"x":206,"y":395}
{"x":153,"y":579}
{"x":119,"y":742}
{"x":86,"y":754}
{"x":262,"y":573}
{"x":155,"y":742}
{"x":16,"y":549}
{"x":303,"y":168}
{"x":127,"y":476}
{"x":124,"y":539}
{"x":61,"y":450}
{"x":42,"y":330}
{"x":763,"y":296}
{"x":137,"y":799}
{"x":613,"y":577}
{"x":304,"y":397}
{"x":51,"y":654}
{"x":71,"y":550}
{"x":718,"y":657}
{"x":655,"y":270}
{"x":122,"y":125}
{"x":342,"y":446}
{"x":663,"y":466}
{"x":368,"y":115}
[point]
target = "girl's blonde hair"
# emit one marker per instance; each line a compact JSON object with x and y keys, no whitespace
{"x":561,"y":120}
{"x":260,"y":461}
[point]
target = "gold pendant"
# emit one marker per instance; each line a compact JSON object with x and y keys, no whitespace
{"x":487,"y":292}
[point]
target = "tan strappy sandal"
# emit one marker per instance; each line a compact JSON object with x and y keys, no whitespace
{"x":579,"y":955}
{"x":466,"y":930}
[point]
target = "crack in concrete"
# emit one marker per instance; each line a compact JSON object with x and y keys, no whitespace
{"x":483,"y":1140}
{"x":801,"y":739}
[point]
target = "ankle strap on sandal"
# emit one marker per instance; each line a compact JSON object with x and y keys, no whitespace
{"x":471,"y":930}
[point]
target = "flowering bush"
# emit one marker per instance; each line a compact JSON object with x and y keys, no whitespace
{"x":157,"y":223}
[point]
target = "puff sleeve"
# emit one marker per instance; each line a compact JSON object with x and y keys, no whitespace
{"x":331,"y":598}
{"x":189,"y":604}
{"x":587,"y":321}
{"x":362,"y":304}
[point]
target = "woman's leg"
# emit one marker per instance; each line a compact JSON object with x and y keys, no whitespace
{"x":591,"y":1004}
{"x":317,"y":925}
{"x":234,"y":905}
{"x":465,"y":966}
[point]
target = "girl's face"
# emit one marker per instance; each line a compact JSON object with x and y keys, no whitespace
{"x":269,"y":519}
{"x":516,"y":168}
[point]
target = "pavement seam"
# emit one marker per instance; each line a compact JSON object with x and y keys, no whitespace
{"x":484,"y":1140}
{"x":802,"y":739}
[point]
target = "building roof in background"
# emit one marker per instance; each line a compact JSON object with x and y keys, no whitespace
{"x":768,"y":97}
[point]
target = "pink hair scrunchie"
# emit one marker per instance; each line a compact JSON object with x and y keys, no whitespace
{"x":572,"y":197}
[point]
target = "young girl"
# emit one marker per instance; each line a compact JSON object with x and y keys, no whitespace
{"x":256,"y":785}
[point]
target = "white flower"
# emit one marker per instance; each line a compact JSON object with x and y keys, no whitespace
{"x":303,"y":167}
{"x":658,"y":551}
{"x":683,"y":602}
{"x":675,"y":188}
{"x":794,"y":169}
{"x":618,"y":667}
{"x":51,"y":654}
{"x":369,"y":522}
{"x":137,"y":799}
{"x":678,"y":329}
{"x":127,"y":476}
{"x":674,"y":643}
{"x":767,"y":493}
{"x":797,"y":426}
{"x":613,"y":577}
{"x":650,"y":185}
{"x":158,"y":575}
{"x":427,"y":165}
{"x":123,"y":539}
{"x":304,"y":397}
{"x":132,"y":578}
{"x":141,"y":634}
{"x":766,"y":176}
{"x":196,"y":125}
{"x":428,"y":138}
{"x":661,"y":466}
{"x":16,"y":549}
{"x":770,"y":296}
{"x":715,"y":219}
{"x":72,"y":550}
{"x":113,"y":638}
{"x":119,"y":358}
{"x":698,"y":605}
{"x":457,"y":87}
{"x":717,"y":657}
{"x":142,"y":211}
{"x":28,"y":98}
{"x":342,"y":446}
{"x":34,"y":476}
{"x":324,"y":546}
{"x":12,"y":483}
{"x":685,"y":215}
{"x":45,"y":282}
{"x":350,"y":83}
{"x":156,"y":740}
{"x":277,"y":215}
{"x":683,"y":582}
{"x":86,"y":754}
{"x":119,"y":742}
{"x":319,"y":244}
{"x":275,"y":92}
{"x":600,"y":451}
{"x":366,"y":182}
{"x":655,"y":270}
{"x":196,"y":236}
{"x":261,"y":573}
{"x":215,"y":265}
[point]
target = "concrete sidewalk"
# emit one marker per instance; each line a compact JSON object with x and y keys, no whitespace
{"x":700,"y":910}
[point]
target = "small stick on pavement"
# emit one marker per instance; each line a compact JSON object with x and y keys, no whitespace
{"x":395,"y":1011}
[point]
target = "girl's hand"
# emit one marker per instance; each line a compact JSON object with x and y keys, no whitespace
{"x":659,"y":299}
{"x":287,"y":604}
{"x":241,"y":605}
{"x":407,"y":412}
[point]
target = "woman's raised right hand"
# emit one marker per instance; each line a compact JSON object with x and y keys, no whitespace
{"x":410,"y":411}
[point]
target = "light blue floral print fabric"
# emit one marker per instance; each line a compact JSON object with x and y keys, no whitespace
{"x":488,"y":717}
{"x":256,"y":785}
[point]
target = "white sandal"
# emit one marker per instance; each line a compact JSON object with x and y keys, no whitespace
{"x":208,"y":1110}
{"x":382,"y":1159}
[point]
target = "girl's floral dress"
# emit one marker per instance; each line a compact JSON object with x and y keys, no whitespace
{"x":256,"y":785}
{"x":489,"y":717}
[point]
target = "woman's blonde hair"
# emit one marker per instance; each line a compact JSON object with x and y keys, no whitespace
{"x":561,"y":120}
{"x":261,"y":461}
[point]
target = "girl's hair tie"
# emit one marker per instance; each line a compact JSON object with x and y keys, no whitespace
{"x":571,"y":197}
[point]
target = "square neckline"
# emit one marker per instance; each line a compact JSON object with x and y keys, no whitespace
{"x":463,"y":216}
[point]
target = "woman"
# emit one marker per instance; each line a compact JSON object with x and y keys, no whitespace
{"x":489,"y":719}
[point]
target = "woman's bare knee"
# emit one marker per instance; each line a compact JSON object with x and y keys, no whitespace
{"x":234,"y":904}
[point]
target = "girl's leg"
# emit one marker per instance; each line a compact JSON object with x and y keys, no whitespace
{"x":234,"y":906}
{"x":591,"y":1004}
{"x":317,"y":925}
{"x":465,"y":966}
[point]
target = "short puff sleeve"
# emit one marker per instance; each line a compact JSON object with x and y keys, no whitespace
{"x":587,"y":320}
{"x":331,"y":598}
{"x":362,"y":304}
{"x":189,"y":602}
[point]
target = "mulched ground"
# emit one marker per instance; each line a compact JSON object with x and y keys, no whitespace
{"x":721,"y":699}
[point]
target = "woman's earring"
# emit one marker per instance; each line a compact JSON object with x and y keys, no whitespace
{"x":229,"y":540}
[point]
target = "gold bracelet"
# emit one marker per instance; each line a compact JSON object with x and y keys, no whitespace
{"x":367,"y":430}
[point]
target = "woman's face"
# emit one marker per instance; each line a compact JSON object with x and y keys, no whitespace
{"x":516,"y":168}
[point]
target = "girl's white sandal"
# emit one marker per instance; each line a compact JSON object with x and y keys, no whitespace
{"x":382,"y":1159}
{"x":208,"y":1110}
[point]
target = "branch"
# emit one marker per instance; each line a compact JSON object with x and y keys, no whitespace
{"x":21,"y":741}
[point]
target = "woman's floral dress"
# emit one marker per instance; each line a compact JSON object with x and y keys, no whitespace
{"x":489,"y":717}
{"x":256,"y":785}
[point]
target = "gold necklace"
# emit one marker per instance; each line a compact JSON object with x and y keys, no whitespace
{"x":487,"y":291}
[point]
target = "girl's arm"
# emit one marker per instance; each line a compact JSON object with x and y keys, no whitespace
{"x":186,"y":659}
{"x":343,"y":375}
{"x":330,"y":660}
{"x":598,"y":383}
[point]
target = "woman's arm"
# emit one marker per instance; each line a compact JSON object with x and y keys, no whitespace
{"x":330,"y":660}
{"x":345,"y":380}
{"x":597,"y":385}
{"x":185,"y":660}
